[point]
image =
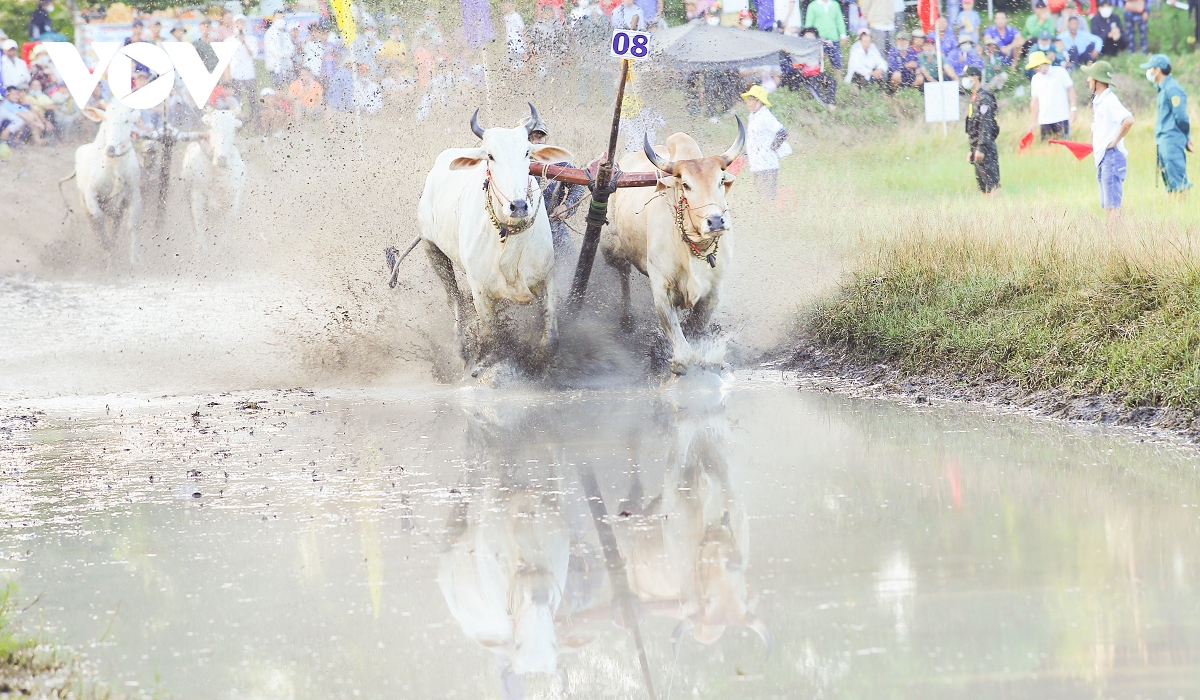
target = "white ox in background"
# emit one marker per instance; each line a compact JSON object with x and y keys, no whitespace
{"x":108,"y":176}
{"x":686,"y":552}
{"x":482,"y":212}
{"x":675,"y":236}
{"x":214,"y":173}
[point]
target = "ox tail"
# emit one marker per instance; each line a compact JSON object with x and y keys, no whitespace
{"x":66,"y":201}
{"x":395,"y":257}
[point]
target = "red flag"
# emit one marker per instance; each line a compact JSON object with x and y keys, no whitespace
{"x":1079,"y":150}
{"x":927,"y":12}
{"x":1026,"y":143}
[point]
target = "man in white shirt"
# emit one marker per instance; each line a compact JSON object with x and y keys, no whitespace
{"x":1052,"y":105}
{"x":278,"y":52}
{"x":866,"y":64}
{"x":765,"y":136}
{"x":1110,"y":122}
{"x":13,"y":70}
{"x":628,"y":15}
{"x":241,"y":68}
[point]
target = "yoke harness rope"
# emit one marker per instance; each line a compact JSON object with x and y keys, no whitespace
{"x":524,"y":224}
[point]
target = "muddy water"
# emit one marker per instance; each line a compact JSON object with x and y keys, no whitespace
{"x":442,"y":543}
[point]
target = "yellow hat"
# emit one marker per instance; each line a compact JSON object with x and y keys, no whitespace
{"x":759,"y":93}
{"x":1036,"y":58}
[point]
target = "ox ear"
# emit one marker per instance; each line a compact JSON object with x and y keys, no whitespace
{"x":729,"y":178}
{"x":93,"y":114}
{"x":666,"y":182}
{"x":550,"y":154}
{"x":466,"y":162}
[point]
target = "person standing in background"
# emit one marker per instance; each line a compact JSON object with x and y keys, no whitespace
{"x":39,"y":21}
{"x":1137,"y":24}
{"x":278,"y":52}
{"x":881,"y":19}
{"x":826,"y":17}
{"x":514,"y":34}
{"x":224,"y":29}
{"x":1110,"y":122}
{"x":155,"y":37}
{"x":765,"y":136}
{"x":969,"y":21}
{"x":1108,"y":28}
{"x":1172,"y":130}
{"x":241,"y":68}
{"x":628,"y":15}
{"x":1052,"y":103}
{"x":789,"y":16}
{"x":204,"y":47}
{"x":312,"y":51}
{"x":982,"y":131}
{"x":652,"y":12}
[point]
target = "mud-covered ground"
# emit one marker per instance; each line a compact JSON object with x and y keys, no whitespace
{"x":827,"y":369}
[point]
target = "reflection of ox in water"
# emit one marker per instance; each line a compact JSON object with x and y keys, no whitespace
{"x":214,"y":173}
{"x":675,"y":236}
{"x":514,"y":570}
{"x":686,"y":551}
{"x":109,"y":177}
{"x":482,"y":213}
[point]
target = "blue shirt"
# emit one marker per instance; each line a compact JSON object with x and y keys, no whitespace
{"x":649,"y":11}
{"x":968,"y":22}
{"x":896,"y":60}
{"x":1172,"y":126}
{"x":1083,"y":42}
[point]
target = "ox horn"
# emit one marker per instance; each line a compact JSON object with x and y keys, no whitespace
{"x":738,"y":145}
{"x":685,"y":625}
{"x":667,"y":167}
{"x":760,"y":628}
{"x":533,"y":118}
{"x":475,"y":128}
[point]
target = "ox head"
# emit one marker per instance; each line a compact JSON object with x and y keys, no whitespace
{"x":116,"y":128}
{"x":507,"y":153}
{"x":704,"y":182}
{"x":221,"y":125}
{"x":724,"y":596}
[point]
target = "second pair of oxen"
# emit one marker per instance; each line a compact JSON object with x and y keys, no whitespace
{"x":109,"y":175}
{"x":482,"y":213}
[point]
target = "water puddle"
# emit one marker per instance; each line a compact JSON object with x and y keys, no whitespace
{"x":745,"y":540}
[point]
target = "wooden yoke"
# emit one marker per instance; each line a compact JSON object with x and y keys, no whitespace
{"x":579,"y":176}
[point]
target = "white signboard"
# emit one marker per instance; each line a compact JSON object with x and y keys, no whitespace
{"x":629,"y":44}
{"x":941,"y":101}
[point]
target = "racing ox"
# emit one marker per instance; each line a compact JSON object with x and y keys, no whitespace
{"x":675,"y":236}
{"x":482,"y":213}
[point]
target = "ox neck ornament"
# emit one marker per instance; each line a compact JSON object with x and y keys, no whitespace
{"x":709,"y":252}
{"x":523,"y":224}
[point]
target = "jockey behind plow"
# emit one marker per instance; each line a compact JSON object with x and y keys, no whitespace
{"x":562,"y":199}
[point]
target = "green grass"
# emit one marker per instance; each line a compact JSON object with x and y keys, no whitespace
{"x":1032,"y":284}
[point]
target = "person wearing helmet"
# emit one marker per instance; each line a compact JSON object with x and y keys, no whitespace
{"x":561,"y":200}
{"x":1111,"y":121}
{"x":982,"y":131}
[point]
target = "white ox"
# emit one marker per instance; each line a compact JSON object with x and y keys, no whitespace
{"x":687,"y":551}
{"x":505,"y":571}
{"x":108,"y":176}
{"x":214,"y":172}
{"x":675,"y":236}
{"x":481,"y":212}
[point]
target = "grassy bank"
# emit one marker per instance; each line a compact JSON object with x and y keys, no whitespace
{"x":1031,"y":285}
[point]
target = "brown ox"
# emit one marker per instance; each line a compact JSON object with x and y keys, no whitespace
{"x":675,"y":236}
{"x":687,"y":550}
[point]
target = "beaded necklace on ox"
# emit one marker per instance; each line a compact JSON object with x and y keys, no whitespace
{"x":709,"y":252}
{"x":523,"y":224}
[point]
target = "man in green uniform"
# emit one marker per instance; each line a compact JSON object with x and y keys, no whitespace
{"x":982,"y":131}
{"x":1172,"y":132}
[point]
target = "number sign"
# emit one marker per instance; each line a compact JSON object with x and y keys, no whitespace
{"x":627,"y":43}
